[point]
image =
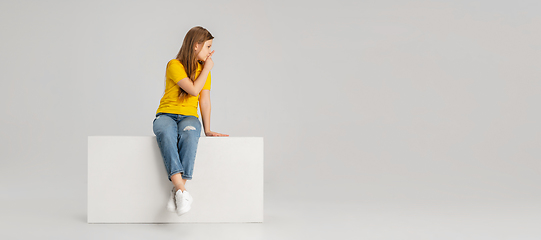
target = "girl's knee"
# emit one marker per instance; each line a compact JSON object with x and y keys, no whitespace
{"x":190,"y":124}
{"x":191,"y":133}
{"x":163,"y":125}
{"x":164,"y":132}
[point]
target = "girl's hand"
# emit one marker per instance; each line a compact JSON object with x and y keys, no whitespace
{"x":215,"y":134}
{"x":208,"y":61}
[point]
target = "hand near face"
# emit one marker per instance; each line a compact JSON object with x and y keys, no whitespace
{"x":208,"y":61}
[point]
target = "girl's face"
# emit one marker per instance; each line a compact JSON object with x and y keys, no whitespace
{"x":204,"y":50}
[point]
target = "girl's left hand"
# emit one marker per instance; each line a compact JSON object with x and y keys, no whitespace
{"x":215,"y":134}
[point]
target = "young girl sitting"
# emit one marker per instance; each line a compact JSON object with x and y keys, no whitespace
{"x":176,"y":126}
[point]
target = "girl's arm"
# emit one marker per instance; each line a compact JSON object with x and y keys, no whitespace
{"x":195,"y":87}
{"x":204,"y":105}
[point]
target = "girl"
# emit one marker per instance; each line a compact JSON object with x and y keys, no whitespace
{"x":176,"y":126}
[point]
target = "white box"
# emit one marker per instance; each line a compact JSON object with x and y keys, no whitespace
{"x":127,"y":181}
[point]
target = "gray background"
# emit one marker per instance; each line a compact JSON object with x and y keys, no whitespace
{"x":381,"y":119}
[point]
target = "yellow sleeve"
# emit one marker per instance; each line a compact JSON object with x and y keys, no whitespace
{"x":175,"y":71}
{"x":207,"y":83}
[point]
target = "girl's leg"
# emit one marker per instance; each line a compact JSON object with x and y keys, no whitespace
{"x":178,"y":182}
{"x":166,"y":130}
{"x":189,"y":133}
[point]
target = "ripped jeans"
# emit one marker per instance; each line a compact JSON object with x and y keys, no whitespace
{"x":177,"y":136}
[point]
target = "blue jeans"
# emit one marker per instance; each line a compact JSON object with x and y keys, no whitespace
{"x":177,"y":136}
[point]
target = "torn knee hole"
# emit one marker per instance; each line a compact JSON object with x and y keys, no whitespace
{"x":188,"y":128}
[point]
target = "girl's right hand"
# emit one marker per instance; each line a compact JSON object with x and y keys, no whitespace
{"x":208,"y":62}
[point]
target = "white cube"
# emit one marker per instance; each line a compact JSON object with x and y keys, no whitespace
{"x":127,"y":181}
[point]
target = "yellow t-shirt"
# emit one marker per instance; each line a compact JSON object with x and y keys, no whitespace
{"x":170,"y":102}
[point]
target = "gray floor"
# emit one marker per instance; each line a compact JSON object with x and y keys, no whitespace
{"x":286,"y":217}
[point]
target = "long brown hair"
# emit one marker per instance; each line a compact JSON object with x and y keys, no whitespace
{"x":187,"y":55}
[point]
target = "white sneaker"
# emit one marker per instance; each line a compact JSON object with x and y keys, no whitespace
{"x":184,"y":202}
{"x":171,"y":205}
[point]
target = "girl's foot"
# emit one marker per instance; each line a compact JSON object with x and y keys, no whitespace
{"x":171,"y":205}
{"x":183,"y":201}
